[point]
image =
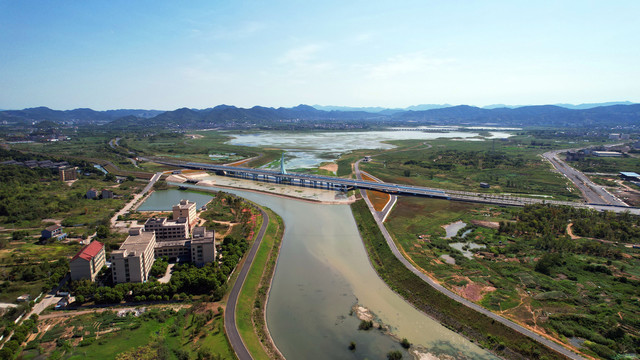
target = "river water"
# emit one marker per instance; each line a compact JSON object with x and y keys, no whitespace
{"x":323,"y":270}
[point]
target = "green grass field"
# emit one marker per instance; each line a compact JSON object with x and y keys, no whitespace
{"x":251,"y":301}
{"x":104,"y":335}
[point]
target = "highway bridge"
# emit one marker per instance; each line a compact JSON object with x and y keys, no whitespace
{"x":342,"y":184}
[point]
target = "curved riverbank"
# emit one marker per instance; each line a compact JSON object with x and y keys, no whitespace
{"x":322,"y":270}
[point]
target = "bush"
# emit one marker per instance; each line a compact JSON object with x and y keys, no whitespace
{"x":405,"y":343}
{"x":365,"y":325}
{"x":394,"y":355}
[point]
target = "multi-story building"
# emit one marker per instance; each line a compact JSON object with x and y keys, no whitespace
{"x":176,"y":250}
{"x":68,"y":173}
{"x":107,"y":194}
{"x":133,"y":261}
{"x":203,"y":247}
{"x":88,"y":262}
{"x":185,"y":209}
{"x":53,"y":231}
{"x":92,"y":193}
{"x":167,"y":230}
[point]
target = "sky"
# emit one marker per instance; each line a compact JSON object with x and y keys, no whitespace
{"x":198,"y":54}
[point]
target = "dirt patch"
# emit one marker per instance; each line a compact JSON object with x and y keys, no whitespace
{"x":333,"y":167}
{"x":570,"y":232}
{"x":195,"y":136}
{"x":486,"y":224}
{"x":378,"y":199}
{"x":240,"y":163}
{"x":55,"y":221}
{"x":472,"y":291}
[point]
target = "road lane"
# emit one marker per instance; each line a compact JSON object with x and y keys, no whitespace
{"x":230,"y":325}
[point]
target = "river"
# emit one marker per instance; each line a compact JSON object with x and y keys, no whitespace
{"x":322,"y":271}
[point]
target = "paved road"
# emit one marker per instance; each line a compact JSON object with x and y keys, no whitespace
{"x":381,"y":216}
{"x":550,"y":344}
{"x":392,"y":198}
{"x":230,"y":313}
{"x":592,"y":193}
{"x":135,"y":199}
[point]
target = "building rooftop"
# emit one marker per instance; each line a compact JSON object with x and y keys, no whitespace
{"x":90,"y":251}
{"x":629,"y":174}
{"x":164,"y":244}
{"x":135,"y":244}
{"x":53,"y":227}
{"x":155,"y":221}
{"x":185,"y":204}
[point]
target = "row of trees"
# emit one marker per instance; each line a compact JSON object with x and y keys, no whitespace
{"x":536,"y":220}
{"x":449,"y":159}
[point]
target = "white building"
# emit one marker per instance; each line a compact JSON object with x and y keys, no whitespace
{"x":133,"y":261}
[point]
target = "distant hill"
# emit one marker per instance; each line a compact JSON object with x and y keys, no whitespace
{"x":80,"y":116}
{"x":308,"y":117}
{"x":382,"y":109}
{"x":593,"y":105}
{"x":542,"y":115}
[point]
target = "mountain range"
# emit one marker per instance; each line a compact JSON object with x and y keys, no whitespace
{"x":304,"y":116}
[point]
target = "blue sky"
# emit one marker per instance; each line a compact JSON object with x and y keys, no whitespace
{"x":198,"y":54}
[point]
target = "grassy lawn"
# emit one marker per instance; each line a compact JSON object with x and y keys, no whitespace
{"x":249,"y":313}
{"x":157,"y":332}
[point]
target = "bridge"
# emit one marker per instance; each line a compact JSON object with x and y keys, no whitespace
{"x":342,"y":184}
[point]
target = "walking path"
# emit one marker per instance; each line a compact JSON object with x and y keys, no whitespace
{"x":135,"y":199}
{"x":230,"y":325}
{"x":519,"y":328}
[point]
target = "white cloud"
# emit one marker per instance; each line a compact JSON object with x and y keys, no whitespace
{"x":300,"y":55}
{"x":412,"y":63}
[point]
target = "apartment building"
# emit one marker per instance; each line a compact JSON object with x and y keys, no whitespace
{"x":168,"y":230}
{"x":185,"y":209}
{"x":88,"y":262}
{"x":133,"y":261}
{"x":203,"y":247}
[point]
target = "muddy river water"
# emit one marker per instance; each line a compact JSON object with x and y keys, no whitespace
{"x":322,"y":272}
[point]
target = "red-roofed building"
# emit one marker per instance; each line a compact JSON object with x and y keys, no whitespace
{"x":88,"y":262}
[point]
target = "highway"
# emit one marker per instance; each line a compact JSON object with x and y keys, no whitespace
{"x":591,"y":192}
{"x":230,"y":325}
{"x":336,"y":183}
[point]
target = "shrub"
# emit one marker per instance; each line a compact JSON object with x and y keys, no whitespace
{"x":365,"y":325}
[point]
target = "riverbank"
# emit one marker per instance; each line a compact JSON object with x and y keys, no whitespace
{"x":255,"y":292}
{"x":491,"y":334}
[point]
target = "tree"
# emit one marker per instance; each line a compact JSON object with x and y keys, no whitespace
{"x":394,"y":355}
{"x":131,"y":178}
{"x":103,"y":232}
{"x":109,"y":177}
{"x":405,"y":343}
